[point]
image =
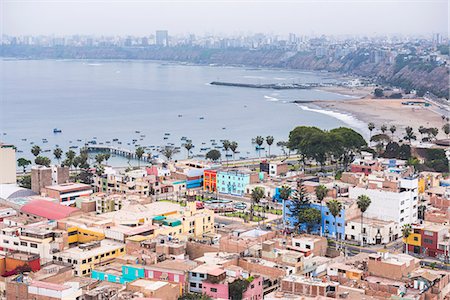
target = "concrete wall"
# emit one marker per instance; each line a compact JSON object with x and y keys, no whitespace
{"x":7,"y":165}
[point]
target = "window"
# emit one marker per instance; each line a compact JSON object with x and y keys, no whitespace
{"x":353,"y":227}
{"x":200,"y":285}
{"x":16,"y":243}
{"x":89,"y":259}
{"x":194,"y":274}
{"x":6,"y":241}
{"x":429,"y":233}
{"x":214,"y":290}
{"x":84,"y":272}
{"x":69,"y":260}
{"x":428,"y":241}
{"x":122,"y":249}
{"x":339,"y":224}
{"x":202,"y":275}
{"x":84,"y":261}
{"x":33,"y":245}
{"x":23,"y":243}
{"x":416,"y":239}
{"x":193,"y":284}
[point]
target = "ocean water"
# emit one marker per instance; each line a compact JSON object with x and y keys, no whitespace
{"x":114,"y":99}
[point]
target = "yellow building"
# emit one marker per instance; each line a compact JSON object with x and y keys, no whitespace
{"x":86,"y":257}
{"x":79,"y":235}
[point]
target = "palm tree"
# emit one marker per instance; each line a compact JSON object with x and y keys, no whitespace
{"x":259,"y":140}
{"x":107,"y":156}
{"x":383,"y":128}
{"x":233,"y":147}
{"x":285,"y":192}
{"x":409,"y":134}
{"x":226,"y":146}
{"x":256,"y":195}
{"x":446,"y":128}
{"x":70,"y":155}
{"x":321,"y":193}
{"x":168,"y":152}
{"x":406,"y":232}
{"x":392,"y":129}
{"x":99,"y":158}
{"x":23,"y":162}
{"x":371,"y":127}
{"x":188,"y":146}
{"x":363,"y":203}
{"x":36,"y":150}
{"x":335,"y":207}
{"x":57,"y":153}
{"x":269,"y":141}
{"x":139,"y":152}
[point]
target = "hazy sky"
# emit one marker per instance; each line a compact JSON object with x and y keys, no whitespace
{"x":139,"y":17}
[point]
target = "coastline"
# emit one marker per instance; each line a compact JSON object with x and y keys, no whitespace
{"x":356,"y":112}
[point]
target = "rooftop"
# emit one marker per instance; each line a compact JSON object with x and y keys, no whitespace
{"x":69,"y":187}
{"x":177,"y":264}
{"x":48,"y":210}
{"x":79,"y":253}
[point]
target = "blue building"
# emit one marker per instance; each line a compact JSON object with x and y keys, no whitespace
{"x":234,"y":182}
{"x":327,"y":220}
{"x":112,"y":273}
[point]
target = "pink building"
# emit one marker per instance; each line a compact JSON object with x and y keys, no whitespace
{"x":173,"y":271}
{"x":216,"y":284}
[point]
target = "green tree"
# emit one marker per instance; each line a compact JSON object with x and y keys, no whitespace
{"x":409,"y":134}
{"x":378,"y":93}
{"x":309,"y":216}
{"x":233,"y":148}
{"x":392,"y":150}
{"x":446,"y":128}
{"x":213,"y":155}
{"x":107,"y":156}
{"x":269,"y":141}
{"x":36,"y":150}
{"x":237,"y":288}
{"x":168,"y":152}
{"x":99,"y":158}
{"x":259,"y":140}
{"x":194,"y":296}
{"x":392,"y":129}
{"x":43,"y":161}
{"x":300,"y":140}
{"x":57,"y":153}
{"x":321,"y":192}
{"x":285,"y":192}
{"x":226,"y":146}
{"x":256,"y":195}
{"x":363,"y":203}
{"x":70,"y":155}
{"x":406,"y":232}
{"x":404,"y":152}
{"x":188,"y":146}
{"x":283,"y":145}
{"x":23,"y":162}
{"x":371,"y":127}
{"x":139,"y":152}
{"x":335,"y":207}
{"x":25,"y":181}
{"x":346,"y":143}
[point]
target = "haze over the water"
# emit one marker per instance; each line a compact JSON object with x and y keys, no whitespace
{"x":139,"y":17}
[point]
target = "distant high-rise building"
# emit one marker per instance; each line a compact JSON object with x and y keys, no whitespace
{"x":144,"y":41}
{"x":162,"y":38}
{"x":7,"y":164}
{"x":292,"y":38}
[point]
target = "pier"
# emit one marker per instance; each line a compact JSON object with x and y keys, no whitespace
{"x":117,"y":151}
{"x":274,"y":86}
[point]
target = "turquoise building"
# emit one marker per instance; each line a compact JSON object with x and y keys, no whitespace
{"x":233,"y":182}
{"x":127,"y":274}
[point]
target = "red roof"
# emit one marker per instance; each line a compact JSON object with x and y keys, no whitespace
{"x":48,"y":210}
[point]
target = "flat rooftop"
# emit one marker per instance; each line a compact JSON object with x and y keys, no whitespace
{"x":69,"y":187}
{"x":77,"y":253}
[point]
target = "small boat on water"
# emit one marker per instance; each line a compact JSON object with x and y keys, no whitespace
{"x":166,"y":133}
{"x":115,"y":140}
{"x":19,"y":151}
{"x":56,"y":130}
{"x":137,"y":131}
{"x":183,"y":138}
{"x":78,"y":140}
{"x":202,"y":118}
{"x":120,"y":143}
{"x":73,"y":147}
{"x":224,"y":128}
{"x":166,"y":138}
{"x":24,"y":140}
{"x":45,"y":141}
{"x":46,"y":150}
{"x":179,"y":116}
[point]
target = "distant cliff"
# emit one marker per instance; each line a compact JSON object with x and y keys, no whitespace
{"x":406,"y":73}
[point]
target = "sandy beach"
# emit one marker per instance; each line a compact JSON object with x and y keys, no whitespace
{"x":387,"y":111}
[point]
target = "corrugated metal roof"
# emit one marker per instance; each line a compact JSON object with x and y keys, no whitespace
{"x":48,"y":210}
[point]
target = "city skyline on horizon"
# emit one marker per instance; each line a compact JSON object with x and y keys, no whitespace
{"x":224,"y":18}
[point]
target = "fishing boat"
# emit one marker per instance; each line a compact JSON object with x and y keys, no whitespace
{"x":166,"y":133}
{"x":202,"y":118}
{"x":166,"y":138}
{"x":179,"y":116}
{"x":137,"y":131}
{"x":78,"y":140}
{"x":73,"y":147}
{"x":56,"y":130}
{"x":115,"y":140}
{"x":24,"y":140}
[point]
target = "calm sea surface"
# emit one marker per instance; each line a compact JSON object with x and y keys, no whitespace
{"x":114,"y":99}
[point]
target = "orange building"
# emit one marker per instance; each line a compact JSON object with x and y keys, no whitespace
{"x":210,"y":180}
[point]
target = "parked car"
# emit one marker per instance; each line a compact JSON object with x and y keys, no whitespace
{"x":240,"y":205}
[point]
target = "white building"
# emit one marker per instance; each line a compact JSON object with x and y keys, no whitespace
{"x":399,"y":206}
{"x":375,"y":231}
{"x":7,"y":164}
